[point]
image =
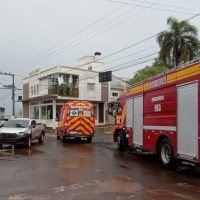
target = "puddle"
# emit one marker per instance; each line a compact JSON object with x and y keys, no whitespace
{"x":7,"y":152}
{"x":73,"y":164}
{"x":166,"y":194}
{"x":16,"y":197}
{"x":121,"y":185}
{"x":79,"y":147}
{"x":85,"y":149}
{"x":188,"y":186}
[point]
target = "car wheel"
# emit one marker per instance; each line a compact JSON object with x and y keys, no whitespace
{"x":89,"y":139}
{"x":165,"y":153}
{"x":41,"y":139}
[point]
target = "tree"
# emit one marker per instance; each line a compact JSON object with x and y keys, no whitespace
{"x":179,"y":44}
{"x":149,"y":71}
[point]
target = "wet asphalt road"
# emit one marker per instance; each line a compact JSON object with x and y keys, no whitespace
{"x":80,"y":171}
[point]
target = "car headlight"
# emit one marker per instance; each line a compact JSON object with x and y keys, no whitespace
{"x":22,"y":133}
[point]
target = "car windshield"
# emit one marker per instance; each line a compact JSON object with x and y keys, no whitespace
{"x":17,"y":124}
{"x":2,"y":122}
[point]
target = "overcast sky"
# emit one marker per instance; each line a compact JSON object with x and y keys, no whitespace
{"x":44,"y":33}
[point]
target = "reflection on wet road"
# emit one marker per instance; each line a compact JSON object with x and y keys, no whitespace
{"x":80,"y":171}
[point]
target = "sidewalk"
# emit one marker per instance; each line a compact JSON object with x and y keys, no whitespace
{"x":107,"y":129}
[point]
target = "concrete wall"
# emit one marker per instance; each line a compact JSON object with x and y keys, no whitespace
{"x":25,"y":108}
{"x":26,"y":91}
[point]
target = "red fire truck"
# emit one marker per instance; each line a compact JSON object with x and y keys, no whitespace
{"x":162,"y":115}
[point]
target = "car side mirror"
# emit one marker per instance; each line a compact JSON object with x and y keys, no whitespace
{"x":32,"y":126}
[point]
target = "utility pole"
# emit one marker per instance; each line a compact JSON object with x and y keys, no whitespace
{"x":13,"y":93}
{"x":12,"y":87}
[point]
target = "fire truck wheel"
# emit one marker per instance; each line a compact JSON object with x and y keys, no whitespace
{"x":89,"y":139}
{"x":120,"y":142}
{"x":165,"y":153}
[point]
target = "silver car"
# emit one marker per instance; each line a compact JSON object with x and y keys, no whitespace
{"x":21,"y":131}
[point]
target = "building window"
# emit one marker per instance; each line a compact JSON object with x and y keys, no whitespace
{"x":46,"y":101}
{"x":37,"y":89}
{"x":91,"y":86}
{"x":58,"y":108}
{"x":63,"y":85}
{"x":90,"y":68}
{"x":34,"y":103}
{"x":115,"y":94}
{"x":32,"y":90}
{"x":47,"y":112}
{"x":34,"y":112}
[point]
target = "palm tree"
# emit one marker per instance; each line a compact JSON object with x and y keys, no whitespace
{"x":178,"y":44}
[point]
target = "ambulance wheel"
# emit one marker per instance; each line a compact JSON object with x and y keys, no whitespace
{"x":58,"y":137}
{"x":165,"y":153}
{"x":89,"y":139}
{"x":121,"y":141}
{"x":63,"y":139}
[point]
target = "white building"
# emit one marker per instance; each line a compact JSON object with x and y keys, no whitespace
{"x":118,"y":86}
{"x":45,"y":91}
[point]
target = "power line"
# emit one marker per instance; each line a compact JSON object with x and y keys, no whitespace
{"x":141,"y":42}
{"x":144,"y":40}
{"x":63,"y":49}
{"x":155,"y":4}
{"x":135,"y":44}
{"x":148,"y":38}
{"x":77,"y":33}
{"x":134,"y":53}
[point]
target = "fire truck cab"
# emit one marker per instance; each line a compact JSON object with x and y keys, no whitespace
{"x":162,"y":115}
{"x":76,"y":120}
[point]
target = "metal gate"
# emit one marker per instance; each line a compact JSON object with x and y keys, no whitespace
{"x":187,"y":120}
{"x":138,"y":121}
